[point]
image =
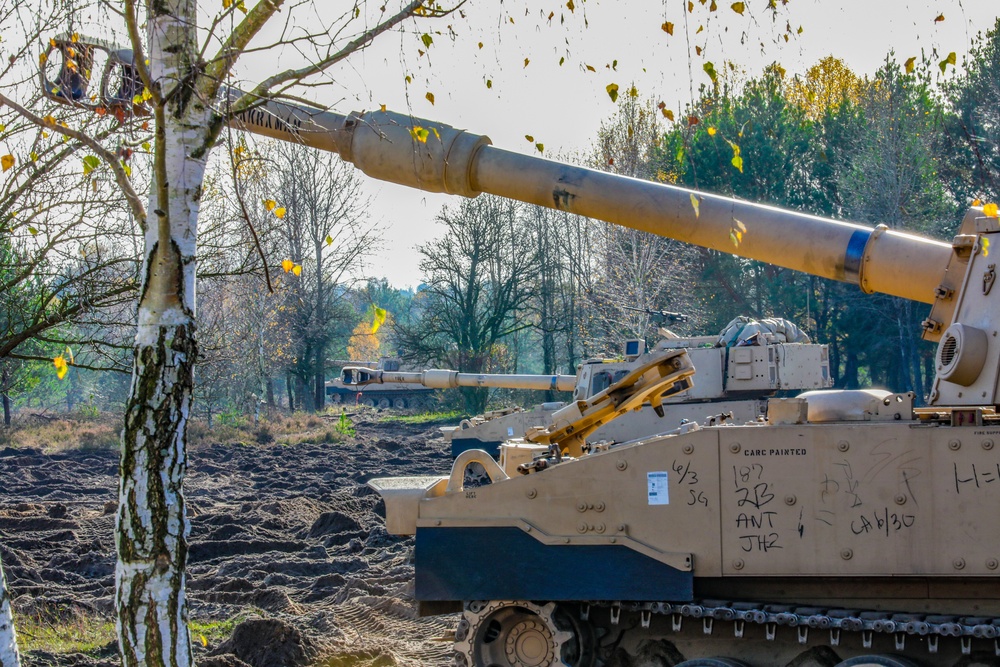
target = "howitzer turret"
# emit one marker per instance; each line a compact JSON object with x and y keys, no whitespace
{"x":849,"y":529}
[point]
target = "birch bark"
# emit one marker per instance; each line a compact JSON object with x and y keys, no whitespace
{"x":153,"y":527}
{"x":9,"y":656}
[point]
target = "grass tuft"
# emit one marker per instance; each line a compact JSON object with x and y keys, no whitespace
{"x":424,"y":417}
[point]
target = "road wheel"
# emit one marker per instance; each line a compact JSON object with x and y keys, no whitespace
{"x":399,"y":403}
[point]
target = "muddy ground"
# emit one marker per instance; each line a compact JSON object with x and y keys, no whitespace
{"x":285,"y":533}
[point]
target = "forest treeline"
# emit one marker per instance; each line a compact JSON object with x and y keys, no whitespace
{"x":287,"y":242}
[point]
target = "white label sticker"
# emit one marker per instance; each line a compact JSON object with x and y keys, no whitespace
{"x":510,"y":431}
{"x":657,"y":492}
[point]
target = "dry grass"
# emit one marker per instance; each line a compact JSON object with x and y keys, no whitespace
{"x":278,"y":427}
{"x":51,"y":434}
{"x":56,"y":433}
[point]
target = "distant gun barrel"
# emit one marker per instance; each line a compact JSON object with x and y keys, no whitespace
{"x":356,"y":376}
{"x":667,"y":315}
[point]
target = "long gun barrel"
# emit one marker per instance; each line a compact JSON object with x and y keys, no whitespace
{"x":439,"y":158}
{"x":356,"y":376}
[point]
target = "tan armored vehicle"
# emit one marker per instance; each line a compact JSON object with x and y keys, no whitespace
{"x":737,"y":371}
{"x":396,"y":395}
{"x":849,"y":529}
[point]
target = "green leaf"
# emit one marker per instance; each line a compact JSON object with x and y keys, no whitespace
{"x":329,"y":240}
{"x":90,"y":163}
{"x":32,"y":230}
{"x":612,"y":89}
{"x":950,"y":60}
{"x":738,"y":163}
{"x":427,"y":40}
{"x":710,"y":71}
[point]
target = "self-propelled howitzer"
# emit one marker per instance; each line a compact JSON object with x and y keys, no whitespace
{"x":849,"y":529}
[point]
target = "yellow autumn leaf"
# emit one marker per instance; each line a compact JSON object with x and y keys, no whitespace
{"x":612,"y":89}
{"x":430,"y":97}
{"x":419,"y":133}
{"x":49,"y":120}
{"x":279,"y":212}
{"x":204,"y":640}
{"x":6,"y":162}
{"x":711,"y":131}
{"x":668,"y":28}
{"x":297,"y":269}
{"x":269,"y":204}
{"x":540,"y":148}
{"x":287,"y":264}
{"x":738,"y":163}
{"x":977,"y":202}
{"x":940,"y":17}
{"x":329,"y":240}
{"x":738,"y":7}
{"x":529,"y":138}
{"x":61,"y":366}
{"x":42,"y":58}
{"x":226,"y":4}
{"x":379,"y":319}
{"x":695,"y":205}
{"x":909,"y":64}
{"x":990,"y":210}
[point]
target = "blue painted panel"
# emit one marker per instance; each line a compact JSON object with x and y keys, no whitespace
{"x":509,"y":564}
{"x":459,"y":445}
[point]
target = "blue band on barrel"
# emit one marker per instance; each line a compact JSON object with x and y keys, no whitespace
{"x":854,"y":255}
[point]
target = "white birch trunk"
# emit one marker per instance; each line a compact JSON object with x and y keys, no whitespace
{"x":152,"y":524}
{"x":9,"y":656}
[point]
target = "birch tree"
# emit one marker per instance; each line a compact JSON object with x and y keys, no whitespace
{"x":182,"y":89}
{"x":182,"y":81}
{"x":9,"y":655}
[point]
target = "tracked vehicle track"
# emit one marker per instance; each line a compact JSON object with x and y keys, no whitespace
{"x":958,"y":641}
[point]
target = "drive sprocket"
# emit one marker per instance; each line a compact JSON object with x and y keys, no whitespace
{"x":513,"y":633}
